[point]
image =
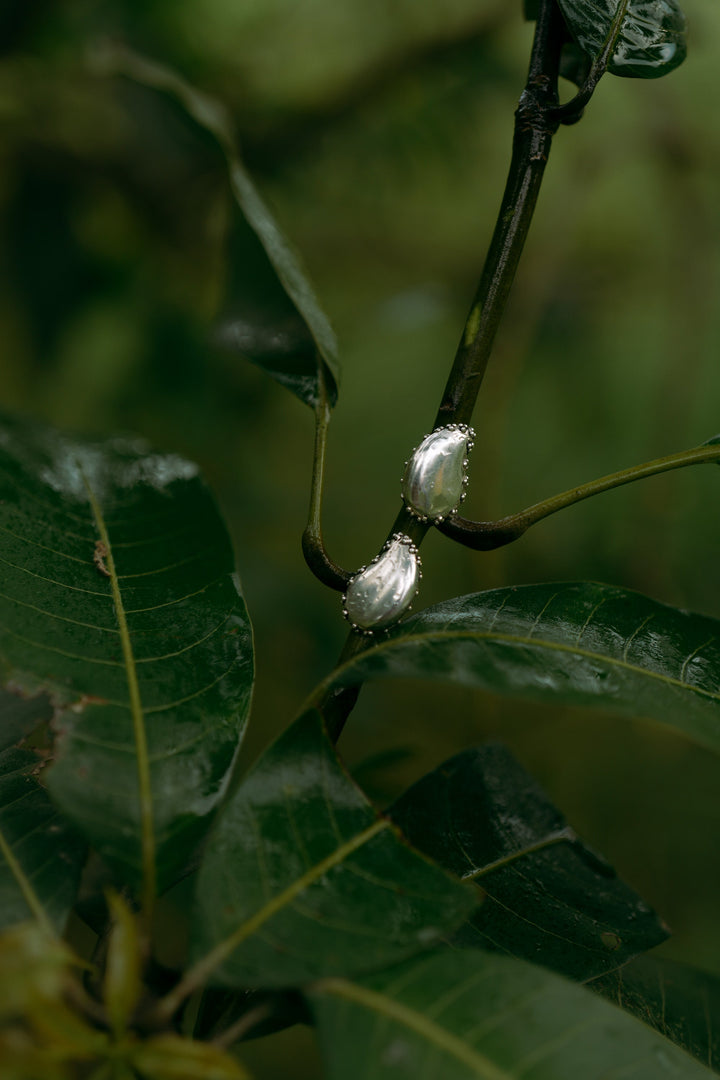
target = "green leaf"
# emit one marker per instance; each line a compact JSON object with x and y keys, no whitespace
{"x":20,"y":715}
{"x":457,"y":1016}
{"x":681,"y":1002}
{"x":40,"y":856}
{"x":548,"y":898}
{"x":270,"y":314}
{"x":651,"y":41}
{"x":302,"y":878}
{"x":572,"y":643}
{"x":119,"y":601}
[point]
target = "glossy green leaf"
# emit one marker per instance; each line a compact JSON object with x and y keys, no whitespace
{"x":548,"y":898}
{"x":263,"y":317}
{"x":679,"y":1001}
{"x":302,"y":878}
{"x":651,"y":42}
{"x":119,"y":601}
{"x":478,"y":1016}
{"x":41,"y":857}
{"x":573,"y":643}
{"x":270,"y":314}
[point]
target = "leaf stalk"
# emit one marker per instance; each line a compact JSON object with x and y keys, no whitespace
{"x":488,"y":535}
{"x":316,"y":557}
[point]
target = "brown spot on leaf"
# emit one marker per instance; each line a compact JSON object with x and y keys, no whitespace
{"x":99,"y":556}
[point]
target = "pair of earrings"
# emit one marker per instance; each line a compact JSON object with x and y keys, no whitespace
{"x":433,"y":487}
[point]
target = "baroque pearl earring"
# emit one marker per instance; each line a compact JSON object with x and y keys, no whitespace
{"x":435,"y":477}
{"x":381,"y":592}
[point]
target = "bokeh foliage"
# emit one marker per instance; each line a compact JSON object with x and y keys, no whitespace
{"x":380,"y":134}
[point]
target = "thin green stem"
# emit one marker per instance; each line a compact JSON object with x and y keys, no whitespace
{"x":487,"y":535}
{"x":313,"y":546}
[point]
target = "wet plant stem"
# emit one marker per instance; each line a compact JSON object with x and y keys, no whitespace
{"x":316,"y":557}
{"x":535,"y":125}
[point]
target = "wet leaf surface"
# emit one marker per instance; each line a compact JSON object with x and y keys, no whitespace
{"x":119,"y":601}
{"x":651,"y":41}
{"x":548,"y":898}
{"x":571,"y":643}
{"x":303,"y":878}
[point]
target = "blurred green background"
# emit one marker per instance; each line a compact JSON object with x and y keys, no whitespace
{"x":380,"y":134}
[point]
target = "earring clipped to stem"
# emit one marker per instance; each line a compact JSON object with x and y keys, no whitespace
{"x":380,"y":593}
{"x":435,"y":477}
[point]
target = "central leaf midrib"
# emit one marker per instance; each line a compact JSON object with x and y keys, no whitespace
{"x":199,"y":973}
{"x":147,"y":826}
{"x":282,"y":899}
{"x":420,"y":1024}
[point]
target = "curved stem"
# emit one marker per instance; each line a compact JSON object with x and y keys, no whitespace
{"x":571,"y":112}
{"x":488,"y":535}
{"x":322,"y":566}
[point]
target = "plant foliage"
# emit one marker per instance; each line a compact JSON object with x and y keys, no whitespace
{"x":448,"y":936}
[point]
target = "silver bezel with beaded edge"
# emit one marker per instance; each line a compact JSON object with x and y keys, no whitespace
{"x":399,"y":608}
{"x":418,"y":473}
